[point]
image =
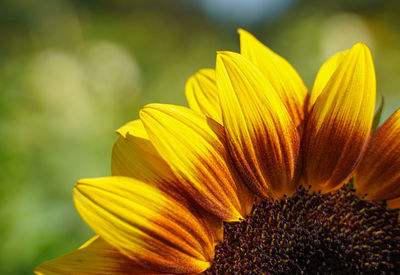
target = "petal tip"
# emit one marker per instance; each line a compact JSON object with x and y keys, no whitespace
{"x":226,"y":53}
{"x":152,"y":106}
{"x":78,"y":185}
{"x":220,"y":54}
{"x":89,"y":182}
{"x":226,"y":57}
{"x":122,"y":131}
{"x":144,"y":112}
{"x":360,"y":47}
{"x":242,"y":31}
{"x":132,"y":128}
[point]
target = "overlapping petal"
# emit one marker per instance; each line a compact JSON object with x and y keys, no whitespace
{"x":201,"y":94}
{"x":282,"y":76}
{"x":194,"y":147}
{"x":161,"y":232}
{"x":133,"y":128}
{"x":340,"y":121}
{"x":134,"y":156}
{"x":262,"y":137}
{"x":178,"y":173}
{"x":324,"y":74}
{"x":94,"y":257}
{"x":378,"y":174}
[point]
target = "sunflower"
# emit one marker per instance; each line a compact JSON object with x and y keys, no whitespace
{"x":258,"y":176}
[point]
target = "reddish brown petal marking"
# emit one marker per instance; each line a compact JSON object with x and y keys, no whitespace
{"x":379,"y":172}
{"x":162,"y":232}
{"x":340,"y":121}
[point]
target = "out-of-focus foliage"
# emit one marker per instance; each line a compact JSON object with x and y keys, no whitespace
{"x":71,"y":72}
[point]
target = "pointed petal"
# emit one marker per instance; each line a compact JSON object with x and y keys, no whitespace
{"x":162,"y":232}
{"x":324,"y":74}
{"x":94,"y":257}
{"x":201,"y":94}
{"x":262,"y":137}
{"x":194,"y":147}
{"x":134,"y":156}
{"x":378,"y":174}
{"x":282,"y":76}
{"x":134,"y":128}
{"x":339,"y":125}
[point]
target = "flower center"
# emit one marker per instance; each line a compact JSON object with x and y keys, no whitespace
{"x":309,"y":234}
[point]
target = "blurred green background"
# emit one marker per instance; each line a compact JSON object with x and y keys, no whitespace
{"x":71,"y":72}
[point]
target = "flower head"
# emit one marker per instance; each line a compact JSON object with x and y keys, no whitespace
{"x":251,"y":178}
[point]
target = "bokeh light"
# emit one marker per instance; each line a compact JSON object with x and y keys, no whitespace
{"x":245,"y":12}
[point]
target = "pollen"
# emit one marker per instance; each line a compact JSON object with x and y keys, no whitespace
{"x":311,"y":233}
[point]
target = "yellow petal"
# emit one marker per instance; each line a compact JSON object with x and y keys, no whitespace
{"x":201,"y":94}
{"x":134,"y":128}
{"x":262,"y":137}
{"x":339,"y":124}
{"x":145,"y":224}
{"x":134,"y":156}
{"x":94,"y":257}
{"x":324,"y":74}
{"x":378,"y":174}
{"x":194,"y":147}
{"x":282,"y":76}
